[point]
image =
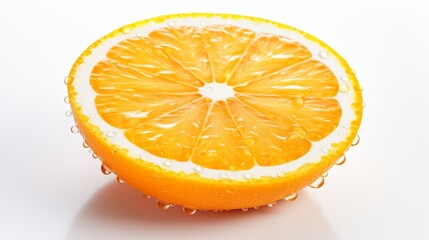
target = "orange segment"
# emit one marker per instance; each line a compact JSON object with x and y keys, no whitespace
{"x":225,"y":46}
{"x":144,"y":56}
{"x":266,"y":55}
{"x":173,"y":134}
{"x":272,"y":143}
{"x":220,"y":145}
{"x":181,"y":42}
{"x":317,"y":116}
{"x":309,"y":78}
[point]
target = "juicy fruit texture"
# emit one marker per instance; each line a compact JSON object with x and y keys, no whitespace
{"x":150,"y":87}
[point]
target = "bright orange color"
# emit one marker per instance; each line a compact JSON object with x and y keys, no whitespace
{"x":149,"y":88}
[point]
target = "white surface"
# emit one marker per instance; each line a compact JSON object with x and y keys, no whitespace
{"x":52,"y":188}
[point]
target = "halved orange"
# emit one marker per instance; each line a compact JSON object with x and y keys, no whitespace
{"x":215,"y":111}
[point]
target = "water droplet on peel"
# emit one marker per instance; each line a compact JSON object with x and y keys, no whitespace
{"x":125,"y":29}
{"x":120,"y":180}
{"x":145,"y":196}
{"x":247,"y":176}
{"x":162,"y":205}
{"x":244,"y":209}
{"x":323,"y":54}
{"x":198,"y":169}
{"x":344,"y":78}
{"x":66,"y":100}
{"x":94,"y":155}
{"x":68,"y":113}
{"x":324,"y":150}
{"x":189,"y":211}
{"x":318,"y":183}
{"x":256,"y":207}
{"x":74,"y":129}
{"x":356,"y":141}
{"x":343,"y":88}
{"x":66,"y":80}
{"x":271,"y":204}
{"x":105,"y":170}
{"x":325,"y":174}
{"x":341,"y":160}
{"x":110,"y":134}
{"x":168,"y":163}
{"x":171,"y":23}
{"x":292,"y":197}
{"x":85,"y":144}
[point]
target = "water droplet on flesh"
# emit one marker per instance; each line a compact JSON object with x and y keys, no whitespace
{"x":271,"y":204}
{"x":125,"y":29}
{"x":162,"y":205}
{"x":340,"y":133}
{"x":343,"y":88}
{"x":247,"y":176}
{"x":144,"y":157}
{"x":111,"y":134}
{"x":68,"y":113}
{"x":356,"y":141}
{"x":318,"y":183}
{"x":74,"y":129}
{"x":341,"y":160}
{"x":292,"y":197}
{"x":198,"y":169}
{"x":189,"y":211}
{"x":323,"y":54}
{"x":105,"y":170}
{"x":171,"y":23}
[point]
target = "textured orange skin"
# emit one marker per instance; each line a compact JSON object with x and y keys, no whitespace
{"x":192,"y":190}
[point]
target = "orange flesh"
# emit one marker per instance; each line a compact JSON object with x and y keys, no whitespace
{"x":148,"y":86}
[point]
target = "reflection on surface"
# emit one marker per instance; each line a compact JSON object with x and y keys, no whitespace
{"x":119,"y":212}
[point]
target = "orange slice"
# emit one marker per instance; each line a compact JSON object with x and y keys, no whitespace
{"x":215,"y":111}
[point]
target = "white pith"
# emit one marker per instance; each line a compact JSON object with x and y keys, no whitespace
{"x":86,"y":95}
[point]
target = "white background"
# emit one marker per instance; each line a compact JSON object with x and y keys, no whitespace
{"x":52,"y":188}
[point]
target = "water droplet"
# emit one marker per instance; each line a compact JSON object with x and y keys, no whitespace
{"x":162,"y":205}
{"x":340,"y":133}
{"x":345,"y":126}
{"x":273,"y":175}
{"x":198,"y":169}
{"x":341,"y":160}
{"x":66,"y":80}
{"x":356,"y":141}
{"x":247,"y":176}
{"x":171,"y":23}
{"x":344,"y":78}
{"x":354,"y":71}
{"x":363,"y":105}
{"x":105,"y":170}
{"x":343,"y":88}
{"x":92,"y":115}
{"x":244,"y":209}
{"x":120,"y":180}
{"x":318,"y":183}
{"x":94,"y":155}
{"x":168,"y":163}
{"x":361,"y":88}
{"x":145,"y":196}
{"x":189,"y":211}
{"x":144,"y":158}
{"x":85,"y":144}
{"x":256,"y":207}
{"x":292,"y":197}
{"x":324,"y":150}
{"x":74,"y":129}
{"x":110,"y":134}
{"x":125,"y":29}
{"x":325,"y":174}
{"x":223,"y":175}
{"x":68,"y":113}
{"x":323,"y":54}
{"x":66,"y":100}
{"x":281,"y":174}
{"x":271,"y":204}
